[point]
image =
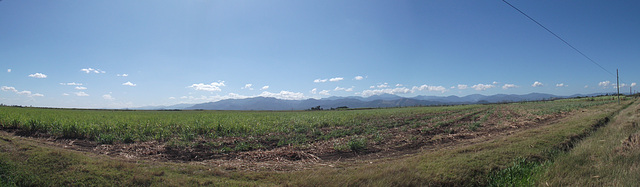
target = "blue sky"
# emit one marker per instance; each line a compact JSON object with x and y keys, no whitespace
{"x":116,"y":54}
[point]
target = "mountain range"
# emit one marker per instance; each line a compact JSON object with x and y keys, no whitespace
{"x":376,"y":101}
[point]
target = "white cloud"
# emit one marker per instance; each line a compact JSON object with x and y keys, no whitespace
{"x":128,"y":84}
{"x":264,"y":88}
{"x":247,"y":86}
{"x":359,"y":78}
{"x":621,"y":85}
{"x":286,"y":95}
{"x":462,"y":86}
{"x":507,"y":86}
{"x":108,"y":97}
{"x":65,"y":94}
{"x":8,"y":70}
{"x":633,"y":84}
{"x":537,"y":84}
{"x":8,"y":88}
{"x":429,"y":88}
{"x":401,"y":90}
{"x":81,"y":94}
{"x":399,"y":85}
{"x":172,"y":98}
{"x":561,"y":85}
{"x":91,"y":70}
{"x":314,"y":91}
{"x":604,"y":83}
{"x":336,"y":79}
{"x":71,"y":84}
{"x":320,"y":80}
{"x":214,"y":86}
{"x":343,"y":89}
{"x":324,"y":92}
{"x":38,"y":75}
{"x":80,"y":88}
{"x":122,"y":75}
{"x":24,"y":92}
{"x":495,"y":82}
{"x":586,"y":86}
{"x":27,"y":93}
{"x":384,"y":85}
{"x":482,"y":87}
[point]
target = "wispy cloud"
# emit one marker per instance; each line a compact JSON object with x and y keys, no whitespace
{"x":604,"y":84}
{"x":71,"y":84}
{"x":401,"y":90}
{"x":81,"y":94}
{"x":8,"y":70}
{"x":495,"y":82}
{"x":91,"y":70}
{"x":286,"y":95}
{"x":27,"y":93}
{"x":314,"y":91}
{"x":343,"y":89}
{"x":482,"y":87}
{"x":462,"y":86}
{"x":8,"y":88}
{"x":561,"y":85}
{"x":383,"y":85}
{"x":128,"y":84}
{"x":108,"y":97}
{"x":320,"y":80}
{"x":507,"y":86}
{"x":247,"y":86}
{"x":264,"y":88}
{"x":633,"y":84}
{"x":336,"y":79}
{"x":358,"y":78}
{"x":38,"y":75}
{"x":213,"y":87}
{"x":24,"y":92}
{"x":324,"y":92}
{"x":429,"y":88}
{"x":80,"y":88}
{"x":537,"y":84}
{"x":122,"y":75}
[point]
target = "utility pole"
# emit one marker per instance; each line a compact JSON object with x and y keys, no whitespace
{"x":618,"y":85}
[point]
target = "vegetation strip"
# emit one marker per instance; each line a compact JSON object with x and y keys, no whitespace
{"x":457,"y":160}
{"x":609,"y":157}
{"x":528,"y":171}
{"x":460,"y":165}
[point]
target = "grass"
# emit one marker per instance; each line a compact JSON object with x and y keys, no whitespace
{"x":24,"y":162}
{"x":461,"y":165}
{"x":606,"y":158}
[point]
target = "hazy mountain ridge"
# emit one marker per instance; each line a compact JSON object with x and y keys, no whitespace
{"x":376,"y":101}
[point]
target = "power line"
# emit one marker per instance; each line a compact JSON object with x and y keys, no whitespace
{"x":554,"y":34}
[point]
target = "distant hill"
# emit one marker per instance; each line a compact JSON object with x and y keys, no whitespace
{"x":376,"y":101}
{"x":266,"y":103}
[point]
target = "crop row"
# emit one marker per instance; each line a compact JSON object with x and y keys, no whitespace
{"x":108,"y":126}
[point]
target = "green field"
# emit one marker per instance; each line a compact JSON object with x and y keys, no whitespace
{"x":446,"y":145}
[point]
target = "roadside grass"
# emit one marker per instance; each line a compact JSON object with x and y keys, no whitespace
{"x":609,"y":157}
{"x":25,"y":163}
{"x":460,"y":165}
